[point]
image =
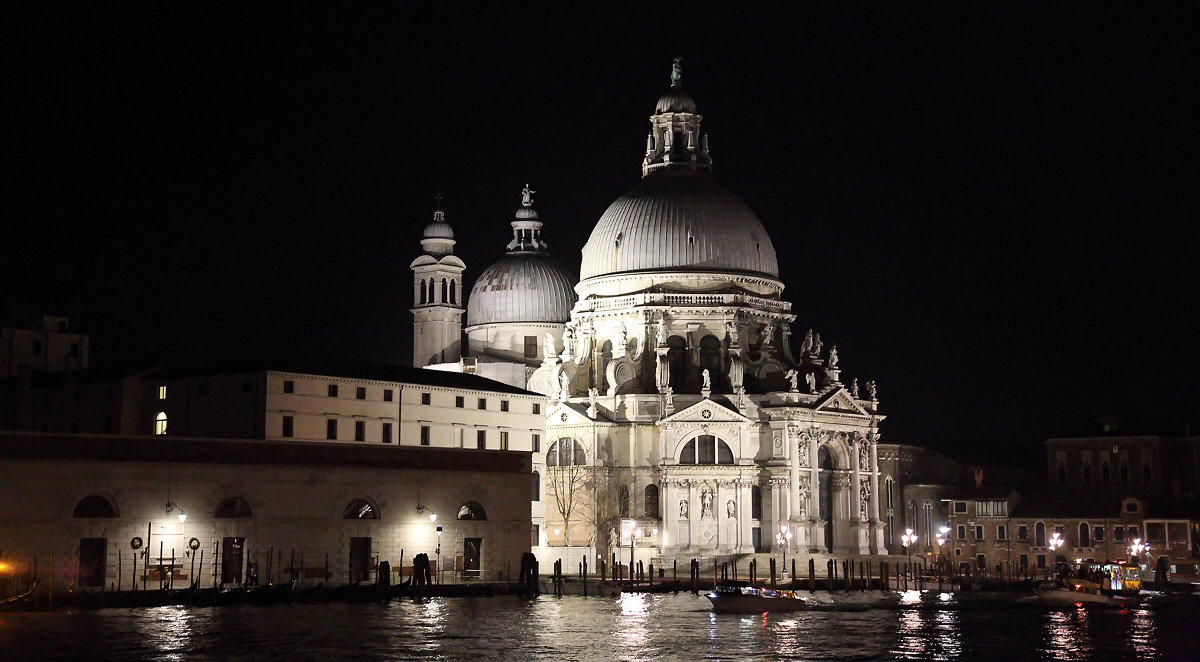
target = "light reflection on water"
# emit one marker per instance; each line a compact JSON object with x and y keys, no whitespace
{"x":633,"y":627}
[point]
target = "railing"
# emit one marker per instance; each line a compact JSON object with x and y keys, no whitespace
{"x":662,"y":299}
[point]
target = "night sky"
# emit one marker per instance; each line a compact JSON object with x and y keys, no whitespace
{"x":993,"y":215}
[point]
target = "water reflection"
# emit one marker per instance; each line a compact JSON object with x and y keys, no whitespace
{"x":630,"y":634}
{"x":929,"y":633}
{"x":170,"y":631}
{"x":1142,"y":631}
{"x":1067,"y":635}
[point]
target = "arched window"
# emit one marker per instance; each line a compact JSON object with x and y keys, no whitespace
{"x":360,"y":509}
{"x":623,"y":500}
{"x":1039,"y":534}
{"x":160,"y":423}
{"x":233,"y":508}
{"x":824,"y":459}
{"x":706,"y":449}
{"x":537,"y":486}
{"x":889,"y":533}
{"x":927,"y":524}
{"x":423,"y":299}
{"x":471,"y":510}
{"x":453,"y":291}
{"x":1085,"y":535}
{"x":677,"y":363}
{"x":566,"y":452}
{"x":913,"y":523}
{"x":445,"y":291}
{"x":94,"y":506}
{"x":755,"y":502}
{"x":710,"y":359}
{"x":651,"y":499}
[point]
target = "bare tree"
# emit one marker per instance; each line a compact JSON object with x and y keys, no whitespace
{"x":568,"y":486}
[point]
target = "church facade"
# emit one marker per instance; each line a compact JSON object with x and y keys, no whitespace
{"x":683,"y":418}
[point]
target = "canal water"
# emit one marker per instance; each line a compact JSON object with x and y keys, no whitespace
{"x":633,"y":627}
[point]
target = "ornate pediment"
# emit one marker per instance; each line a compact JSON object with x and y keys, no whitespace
{"x":840,"y":401}
{"x":571,"y":413}
{"x":706,"y":411}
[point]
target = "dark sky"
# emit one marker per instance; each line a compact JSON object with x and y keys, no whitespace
{"x":992,"y":214}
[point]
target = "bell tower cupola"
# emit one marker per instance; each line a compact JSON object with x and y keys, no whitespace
{"x":437,"y":295}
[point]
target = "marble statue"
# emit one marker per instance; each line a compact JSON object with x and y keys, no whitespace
{"x":807,"y":344}
{"x":732,"y":331}
{"x":706,"y":503}
{"x":792,"y":377}
{"x":548,"y":350}
{"x":564,"y":382}
{"x":768,"y":335}
{"x":871,"y":389}
{"x":677,"y":72}
{"x":854,"y":387}
{"x":817,"y":344}
{"x":707,"y":377}
{"x":624,"y":336}
{"x":730,"y":509}
{"x":527,"y":196}
{"x":683,"y":509}
{"x":569,"y":341}
{"x":661,"y":333}
{"x":811,"y":378}
{"x":833,"y":357}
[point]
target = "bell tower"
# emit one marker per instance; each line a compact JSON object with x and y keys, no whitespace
{"x":437,"y":295}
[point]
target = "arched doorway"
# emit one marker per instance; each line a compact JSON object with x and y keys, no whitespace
{"x":677,"y":363}
{"x":710,"y":360}
{"x":825,"y":494}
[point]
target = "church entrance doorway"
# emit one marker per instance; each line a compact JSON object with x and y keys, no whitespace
{"x":471,"y":548}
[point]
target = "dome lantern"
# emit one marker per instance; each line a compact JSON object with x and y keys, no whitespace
{"x":675,"y":140}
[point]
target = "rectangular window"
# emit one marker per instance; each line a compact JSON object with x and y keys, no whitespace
{"x":360,"y":393}
{"x":1000,"y":508}
{"x":387,"y":433}
{"x":961,"y":532}
{"x":331,"y":428}
{"x":503,"y":441}
{"x":287,"y":426}
{"x":983,"y":508}
{"x":1023,"y":532}
{"x":1098,"y":533}
{"x":1024,"y":562}
{"x":162,"y":392}
{"x":482,"y":403}
{"x":960,"y":507}
{"x":504,"y":405}
{"x":387,"y":395}
{"x":1002,"y":532}
{"x":289,"y":386}
{"x":537,"y":408}
{"x":1131,"y":532}
{"x":426,"y":398}
{"x":535,"y":536}
{"x":1041,"y":560}
{"x":333,"y":390}
{"x":481,"y":439}
{"x":424,"y":435}
{"x":360,"y":430}
{"x":459,"y":402}
{"x":1118,"y":534}
{"x":978,"y":532}
{"x":537,"y":443}
{"x":531,"y":347}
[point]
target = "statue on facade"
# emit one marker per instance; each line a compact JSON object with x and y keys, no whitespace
{"x":624,"y":336}
{"x":811,"y":378}
{"x":793,"y":377}
{"x":683,"y":509}
{"x":730,"y":509}
{"x":564,"y":383}
{"x":805,"y":486}
{"x":661,"y":333}
{"x":833,"y":357}
{"x":569,"y":341}
{"x":768,"y":335}
{"x":802,"y":452}
{"x":854,"y":387}
{"x":707,"y":378}
{"x":731,"y":330}
{"x":817,"y":344}
{"x":706,"y":503}
{"x":548,"y":350}
{"x":871,"y":390}
{"x":807,"y":344}
{"x":527,"y":196}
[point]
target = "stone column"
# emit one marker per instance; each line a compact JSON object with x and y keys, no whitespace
{"x":669,"y":511}
{"x":879,"y":545}
{"x":790,"y":444}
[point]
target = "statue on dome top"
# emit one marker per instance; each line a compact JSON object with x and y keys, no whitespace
{"x":677,"y":72}
{"x":527,"y":196}
{"x":833,"y":357}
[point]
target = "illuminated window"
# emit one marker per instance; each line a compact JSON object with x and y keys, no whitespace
{"x":160,"y":423}
{"x":503,"y":441}
{"x":162,"y":392}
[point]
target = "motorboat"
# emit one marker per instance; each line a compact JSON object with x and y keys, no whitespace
{"x":1078,"y":591}
{"x":742,"y":598}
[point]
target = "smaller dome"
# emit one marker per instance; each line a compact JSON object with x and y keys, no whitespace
{"x":526,"y":213}
{"x":521,"y":287}
{"x":438,"y":230}
{"x":675,"y":101}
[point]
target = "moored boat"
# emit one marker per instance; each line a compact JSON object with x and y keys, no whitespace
{"x":1078,"y":591}
{"x":742,"y":598}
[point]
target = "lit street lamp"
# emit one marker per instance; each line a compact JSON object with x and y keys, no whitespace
{"x":783,"y":539}
{"x":633,"y":536}
{"x":1136,"y":549}
{"x":1054,"y":543}
{"x":909,"y":538}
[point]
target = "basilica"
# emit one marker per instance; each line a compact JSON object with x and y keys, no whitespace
{"x":682,"y":416}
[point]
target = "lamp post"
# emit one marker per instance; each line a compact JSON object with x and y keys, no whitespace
{"x":909,"y":538}
{"x":1054,"y":543}
{"x":783,"y":539}
{"x":1136,"y":549}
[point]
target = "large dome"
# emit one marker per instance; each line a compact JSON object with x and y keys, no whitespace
{"x":679,"y":220}
{"x":521,"y":287}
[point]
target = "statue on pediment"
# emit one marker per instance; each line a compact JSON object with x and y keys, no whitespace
{"x":793,"y":377}
{"x":807,"y":344}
